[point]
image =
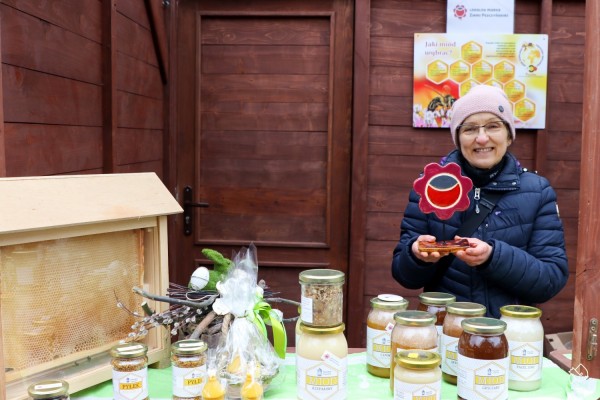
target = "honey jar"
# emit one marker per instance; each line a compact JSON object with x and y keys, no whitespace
{"x":130,"y":371}
{"x":483,"y":360}
{"x":188,"y":360}
{"x":322,"y":297}
{"x":417,"y":371}
{"x":452,"y":329}
{"x":321,"y":363}
{"x":49,"y":390}
{"x":525,"y":335}
{"x":380,"y":323}
{"x":413,"y":330}
{"x":436,"y":304}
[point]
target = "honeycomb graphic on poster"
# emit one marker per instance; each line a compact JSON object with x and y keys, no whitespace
{"x":472,"y":70}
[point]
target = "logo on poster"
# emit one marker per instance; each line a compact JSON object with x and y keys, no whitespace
{"x":460,"y":11}
{"x":531,"y":56}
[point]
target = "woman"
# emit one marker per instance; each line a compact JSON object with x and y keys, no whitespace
{"x":517,"y":254}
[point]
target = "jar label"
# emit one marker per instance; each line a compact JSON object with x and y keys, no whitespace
{"x":449,"y":353}
{"x":525,"y":360}
{"x":421,"y":391}
{"x":482,"y":379}
{"x":322,"y":379}
{"x":306,"y":309}
{"x":130,"y":385}
{"x":188,"y":382}
{"x":379,"y":347}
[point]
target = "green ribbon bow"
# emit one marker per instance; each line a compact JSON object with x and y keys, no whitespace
{"x":263,"y":315}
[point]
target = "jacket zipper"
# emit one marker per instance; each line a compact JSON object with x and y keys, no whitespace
{"x":476,"y":197}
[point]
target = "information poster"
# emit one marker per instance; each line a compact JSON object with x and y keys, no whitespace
{"x":490,"y":16}
{"x":447,"y":66}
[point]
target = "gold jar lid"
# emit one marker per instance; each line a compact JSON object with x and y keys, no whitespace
{"x":436,"y":298}
{"x":129,"y":350}
{"x":189,"y":347}
{"x":322,"y":276}
{"x":389,"y":302}
{"x":519,"y":311}
{"x":48,"y":389}
{"x":466,"y":308}
{"x":317,"y":330}
{"x":414,"y":318}
{"x":417,"y":359}
{"x":483,"y":325}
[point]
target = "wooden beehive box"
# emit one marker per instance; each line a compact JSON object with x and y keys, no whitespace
{"x":70,"y":246}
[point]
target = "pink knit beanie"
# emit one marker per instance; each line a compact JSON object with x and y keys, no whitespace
{"x":482,"y":98}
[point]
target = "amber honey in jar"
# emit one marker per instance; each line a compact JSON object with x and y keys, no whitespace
{"x":525,"y":335}
{"x":417,"y":371}
{"x":130,"y":371}
{"x":436,"y":304}
{"x":321,"y":363}
{"x":49,"y":390}
{"x":380,"y":323}
{"x":483,"y":360}
{"x":413,"y":330}
{"x":322,"y":297}
{"x":188,"y":361}
{"x":452,"y":328}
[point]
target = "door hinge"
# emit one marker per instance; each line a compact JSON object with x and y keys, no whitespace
{"x":592,"y":342}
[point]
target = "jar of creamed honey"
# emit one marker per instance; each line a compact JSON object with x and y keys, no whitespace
{"x":483,"y":360}
{"x":380,"y":323}
{"x":452,"y":329}
{"x":525,"y":335}
{"x":413,"y":330}
{"x":417,"y":371}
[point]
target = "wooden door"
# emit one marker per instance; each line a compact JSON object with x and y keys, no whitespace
{"x":262,"y":112}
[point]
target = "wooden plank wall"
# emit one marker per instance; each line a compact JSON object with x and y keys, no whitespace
{"x":82,"y":90}
{"x":397,"y":152}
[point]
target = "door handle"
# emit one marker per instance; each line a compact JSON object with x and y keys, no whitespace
{"x":188,"y":206}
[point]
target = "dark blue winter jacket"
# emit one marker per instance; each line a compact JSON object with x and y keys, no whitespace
{"x":528,"y":263}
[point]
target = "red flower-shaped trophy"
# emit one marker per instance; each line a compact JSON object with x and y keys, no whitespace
{"x":443,"y":191}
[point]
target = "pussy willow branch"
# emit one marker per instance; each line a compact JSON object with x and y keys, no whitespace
{"x":194,"y":304}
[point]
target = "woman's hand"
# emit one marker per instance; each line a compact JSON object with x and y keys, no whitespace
{"x":477,"y":254}
{"x":426,"y":256}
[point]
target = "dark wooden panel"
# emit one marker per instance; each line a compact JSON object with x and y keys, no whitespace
{"x":404,"y":23}
{"x":262,"y":88}
{"x":41,"y":98}
{"x":134,"y":40}
{"x":390,"y":110}
{"x":51,"y":149}
{"x":563,"y":174}
{"x":50,"y":48}
{"x":138,"y":145}
{"x":264,"y":174}
{"x":311,"y":30}
{"x":565,"y":88}
{"x":147,"y":166}
{"x":565,"y":58}
{"x":392,"y":52}
{"x":391,"y":81}
{"x":254,"y":59}
{"x":304,"y":146}
{"x":134,"y":10}
{"x":135,"y":111}
{"x":564,"y":145}
{"x":570,"y":199}
{"x":265,"y":116}
{"x":568,"y":30}
{"x":83,"y":17}
{"x":137,"y":77}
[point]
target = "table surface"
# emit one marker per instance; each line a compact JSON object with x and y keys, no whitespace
{"x":361,"y":384}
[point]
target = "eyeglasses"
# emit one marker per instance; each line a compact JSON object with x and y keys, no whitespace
{"x":491,"y":128}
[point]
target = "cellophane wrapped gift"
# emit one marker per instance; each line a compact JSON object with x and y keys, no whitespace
{"x":245,"y":343}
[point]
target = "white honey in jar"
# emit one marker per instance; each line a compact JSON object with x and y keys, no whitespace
{"x":380,"y":323}
{"x":321,"y":363}
{"x":322,"y":297}
{"x":417,"y":371}
{"x":452,"y":329}
{"x":413,"y":330}
{"x":525,"y":335}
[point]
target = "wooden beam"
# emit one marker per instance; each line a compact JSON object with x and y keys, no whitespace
{"x":541,"y":142}
{"x":109,"y":88}
{"x":155,"y":11}
{"x":2,"y":144}
{"x":587,"y":302}
{"x":360,"y":160}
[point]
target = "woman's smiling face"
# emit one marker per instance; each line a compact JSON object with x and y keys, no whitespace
{"x":483,"y":147}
